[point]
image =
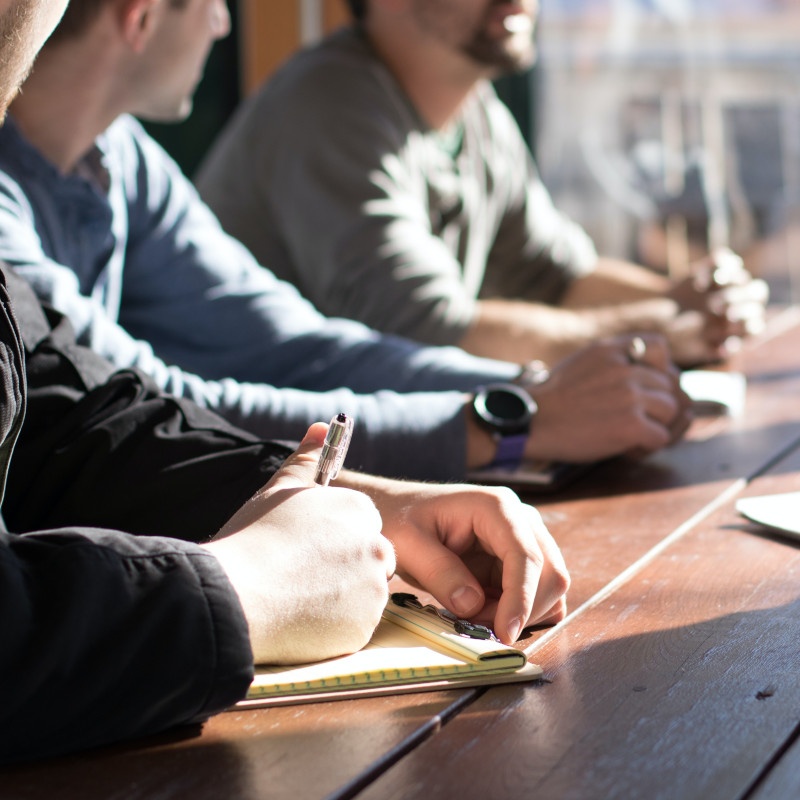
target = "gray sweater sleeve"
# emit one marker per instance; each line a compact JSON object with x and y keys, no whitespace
{"x":419,"y":436}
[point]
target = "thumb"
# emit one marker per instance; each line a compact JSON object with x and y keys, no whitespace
{"x":298,"y":469}
{"x":297,"y":472}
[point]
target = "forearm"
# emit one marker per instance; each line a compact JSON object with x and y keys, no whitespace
{"x":519,"y":331}
{"x":614,"y":282}
{"x":594,"y":307}
{"x":475,"y":448}
{"x":128,"y":458}
{"x":419,"y":435}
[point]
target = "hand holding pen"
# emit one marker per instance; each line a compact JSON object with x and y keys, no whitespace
{"x":334,"y":450}
{"x":311,"y":568}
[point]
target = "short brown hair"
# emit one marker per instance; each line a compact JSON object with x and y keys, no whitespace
{"x":77,"y":18}
{"x":81,"y":13}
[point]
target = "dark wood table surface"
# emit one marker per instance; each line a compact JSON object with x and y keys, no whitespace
{"x":674,"y":676}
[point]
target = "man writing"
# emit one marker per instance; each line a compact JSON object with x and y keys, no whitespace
{"x":379,"y":172}
{"x":105,"y":227}
{"x":146,"y":584}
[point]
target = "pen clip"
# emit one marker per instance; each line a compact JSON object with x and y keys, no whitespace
{"x":335,"y":448}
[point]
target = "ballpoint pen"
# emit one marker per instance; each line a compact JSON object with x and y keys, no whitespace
{"x":334,"y":450}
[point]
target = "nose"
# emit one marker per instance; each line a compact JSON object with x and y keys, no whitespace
{"x":220,"y":19}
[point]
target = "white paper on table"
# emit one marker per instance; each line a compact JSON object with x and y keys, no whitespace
{"x":715,"y":392}
{"x":778,"y":511}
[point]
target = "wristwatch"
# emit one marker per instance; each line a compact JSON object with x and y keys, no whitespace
{"x":507,"y":412}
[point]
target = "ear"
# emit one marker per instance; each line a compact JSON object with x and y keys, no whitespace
{"x":137,"y":20}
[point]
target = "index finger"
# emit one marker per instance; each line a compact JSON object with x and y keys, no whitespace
{"x":533,"y":573}
{"x":534,"y":584}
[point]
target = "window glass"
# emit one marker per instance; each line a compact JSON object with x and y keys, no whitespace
{"x":668,"y":127}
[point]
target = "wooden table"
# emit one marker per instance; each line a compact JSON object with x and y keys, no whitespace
{"x":675,"y":675}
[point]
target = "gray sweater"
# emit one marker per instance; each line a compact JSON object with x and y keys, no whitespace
{"x":329,"y":175}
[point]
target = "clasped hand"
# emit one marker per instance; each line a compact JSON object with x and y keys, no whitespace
{"x":720,"y":303}
{"x":599,"y":403}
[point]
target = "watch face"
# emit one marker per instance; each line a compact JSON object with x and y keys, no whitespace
{"x":505,"y":408}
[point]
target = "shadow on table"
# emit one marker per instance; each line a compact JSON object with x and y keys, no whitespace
{"x":727,"y":456}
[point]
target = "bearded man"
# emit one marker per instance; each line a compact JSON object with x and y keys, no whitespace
{"x":380,"y":173}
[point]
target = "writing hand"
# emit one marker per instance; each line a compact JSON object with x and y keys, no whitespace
{"x":309,"y":563}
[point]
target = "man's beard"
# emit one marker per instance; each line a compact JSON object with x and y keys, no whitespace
{"x":514,"y":54}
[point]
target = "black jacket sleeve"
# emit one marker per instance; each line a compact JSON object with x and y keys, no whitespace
{"x":105,"y":636}
{"x":108,"y":449}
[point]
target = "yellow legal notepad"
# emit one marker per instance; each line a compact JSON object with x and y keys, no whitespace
{"x":411,"y":650}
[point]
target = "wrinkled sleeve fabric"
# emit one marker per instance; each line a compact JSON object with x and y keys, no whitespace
{"x":105,"y":448}
{"x":536,"y":251}
{"x":106,"y":636}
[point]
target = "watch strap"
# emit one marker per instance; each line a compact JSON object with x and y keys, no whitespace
{"x":510,"y":450}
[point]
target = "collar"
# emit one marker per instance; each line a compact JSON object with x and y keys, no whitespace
{"x":91,"y":168}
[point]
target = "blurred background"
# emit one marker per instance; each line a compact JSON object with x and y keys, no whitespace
{"x":668,"y":127}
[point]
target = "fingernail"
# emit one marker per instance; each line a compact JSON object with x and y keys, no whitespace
{"x":465,"y":600}
{"x":514,"y":628}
